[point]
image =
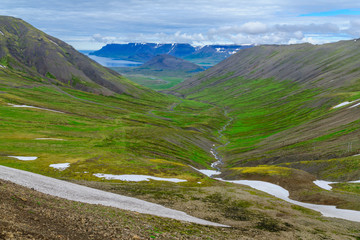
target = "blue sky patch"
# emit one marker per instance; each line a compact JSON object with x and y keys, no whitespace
{"x":350,"y":12}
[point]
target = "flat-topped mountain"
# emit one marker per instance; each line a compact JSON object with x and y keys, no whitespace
{"x":27,"y":49}
{"x":143,"y":51}
{"x":205,"y":55}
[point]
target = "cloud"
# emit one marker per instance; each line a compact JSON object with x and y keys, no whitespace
{"x":179,"y":37}
{"x":247,"y":28}
{"x":99,"y":38}
{"x":261,"y":33}
{"x":354,"y":28}
{"x":310,"y":28}
{"x":192,"y":21}
{"x":254,"y":28}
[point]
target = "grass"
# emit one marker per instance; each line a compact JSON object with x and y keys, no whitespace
{"x":305,"y":210}
{"x":154,"y":79}
{"x":260,"y":108}
{"x":348,"y":187}
{"x":264,"y":170}
{"x":337,"y":169}
{"x":117,"y":135}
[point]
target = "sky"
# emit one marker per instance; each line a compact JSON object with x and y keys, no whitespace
{"x":91,"y":24}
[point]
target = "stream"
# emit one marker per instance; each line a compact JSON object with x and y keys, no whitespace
{"x":273,"y":189}
{"x":213,"y":150}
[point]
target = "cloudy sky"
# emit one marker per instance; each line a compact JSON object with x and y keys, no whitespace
{"x":90,"y":24}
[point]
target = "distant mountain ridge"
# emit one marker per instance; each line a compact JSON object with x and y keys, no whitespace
{"x":205,"y":55}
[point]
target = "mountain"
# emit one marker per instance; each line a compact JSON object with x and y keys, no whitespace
{"x":27,"y":49}
{"x":289,"y":107}
{"x":207,"y":55}
{"x":168,"y":62}
{"x":327,"y":66}
{"x":143,"y":51}
{"x":51,"y":126}
{"x":210,"y":55}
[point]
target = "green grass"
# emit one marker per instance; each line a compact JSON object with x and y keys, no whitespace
{"x":156,"y":83}
{"x":264,"y":170}
{"x":348,"y":187}
{"x":305,"y":210}
{"x":337,"y":169}
{"x":260,"y":108}
{"x":119,"y":134}
{"x":154,"y":79}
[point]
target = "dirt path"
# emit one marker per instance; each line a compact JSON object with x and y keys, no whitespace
{"x":84,"y":194}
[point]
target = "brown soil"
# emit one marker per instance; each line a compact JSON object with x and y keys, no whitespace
{"x":27,"y":214}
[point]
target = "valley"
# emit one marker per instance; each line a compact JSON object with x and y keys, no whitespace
{"x":161,"y":72}
{"x":274,"y":114}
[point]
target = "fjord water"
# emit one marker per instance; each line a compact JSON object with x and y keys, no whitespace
{"x":111,"y":62}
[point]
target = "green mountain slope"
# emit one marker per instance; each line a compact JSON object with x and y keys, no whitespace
{"x":49,"y":90}
{"x":27,"y":49}
{"x":281,"y":100}
{"x":329,"y":66}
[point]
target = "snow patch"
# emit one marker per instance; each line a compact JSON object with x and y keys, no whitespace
{"x":27,"y":106}
{"x":60,"y":166}
{"x":355,"y":105}
{"x":357,"y":181}
{"x":209,"y":173}
{"x":136,"y":178}
{"x":324,"y":184}
{"x":342,"y":104}
{"x":53,"y":42}
{"x":347,"y":103}
{"x":22,"y":158}
{"x":172,"y":48}
{"x":158,"y":45}
{"x":206,"y":172}
{"x":279,"y":192}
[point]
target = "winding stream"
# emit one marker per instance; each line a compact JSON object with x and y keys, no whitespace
{"x":273,"y":189}
{"x":213,"y":150}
